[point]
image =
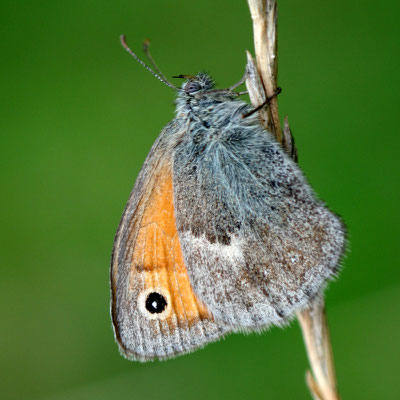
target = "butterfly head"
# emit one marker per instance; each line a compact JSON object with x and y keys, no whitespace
{"x":202,"y":82}
{"x":198,"y":94}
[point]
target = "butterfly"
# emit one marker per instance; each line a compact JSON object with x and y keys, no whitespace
{"x":221,"y":233}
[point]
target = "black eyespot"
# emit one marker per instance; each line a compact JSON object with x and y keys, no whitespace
{"x":192,"y":87}
{"x":155,"y":303}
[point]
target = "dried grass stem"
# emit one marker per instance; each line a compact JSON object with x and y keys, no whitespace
{"x":261,"y":83}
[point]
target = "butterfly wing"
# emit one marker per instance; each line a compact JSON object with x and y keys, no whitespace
{"x":154,"y":309}
{"x":257,"y":243}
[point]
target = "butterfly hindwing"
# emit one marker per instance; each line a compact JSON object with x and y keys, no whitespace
{"x":256,"y":241}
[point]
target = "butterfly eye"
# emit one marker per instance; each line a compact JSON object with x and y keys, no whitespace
{"x":156,"y":303}
{"x":192,"y":87}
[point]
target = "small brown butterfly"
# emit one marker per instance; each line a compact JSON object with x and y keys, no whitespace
{"x":221,"y":232}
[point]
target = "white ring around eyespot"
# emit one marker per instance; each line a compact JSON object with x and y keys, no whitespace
{"x":142,"y":303}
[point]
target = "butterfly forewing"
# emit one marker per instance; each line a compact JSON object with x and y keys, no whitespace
{"x":155,"y":311}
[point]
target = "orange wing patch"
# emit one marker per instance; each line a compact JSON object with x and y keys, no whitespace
{"x":157,"y":255}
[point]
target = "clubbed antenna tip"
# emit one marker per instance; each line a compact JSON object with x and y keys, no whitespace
{"x":159,"y":76}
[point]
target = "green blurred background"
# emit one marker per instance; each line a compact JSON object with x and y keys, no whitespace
{"x":78,"y":117}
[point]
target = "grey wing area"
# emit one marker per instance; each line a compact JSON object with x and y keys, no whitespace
{"x":257,"y":243}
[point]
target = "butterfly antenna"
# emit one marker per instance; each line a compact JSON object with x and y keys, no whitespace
{"x":158,"y":75}
{"x":146,"y":49}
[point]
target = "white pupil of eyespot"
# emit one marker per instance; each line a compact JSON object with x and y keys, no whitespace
{"x":154,"y":304}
